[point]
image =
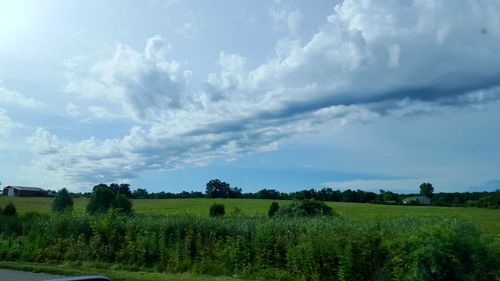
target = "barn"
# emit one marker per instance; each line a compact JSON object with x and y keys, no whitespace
{"x":24,"y":191}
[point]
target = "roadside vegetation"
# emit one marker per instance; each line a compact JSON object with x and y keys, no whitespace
{"x":298,"y":247}
{"x":301,"y":239}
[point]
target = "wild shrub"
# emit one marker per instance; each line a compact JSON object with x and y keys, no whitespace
{"x":304,"y":208}
{"x":122,"y":204}
{"x":10,"y":210}
{"x":100,"y":200}
{"x":217,"y":210}
{"x":235,"y":211}
{"x":63,"y":201}
{"x":273,"y":209}
{"x":284,"y":248}
{"x":103,"y":198}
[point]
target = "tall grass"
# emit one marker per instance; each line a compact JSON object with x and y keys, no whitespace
{"x":278,"y":249}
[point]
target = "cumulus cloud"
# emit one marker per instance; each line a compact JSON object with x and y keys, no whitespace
{"x":6,"y":125}
{"x":72,"y":110}
{"x":13,"y":98}
{"x":188,"y":30}
{"x":286,"y":17}
{"x":145,"y":84}
{"x":369,"y":59}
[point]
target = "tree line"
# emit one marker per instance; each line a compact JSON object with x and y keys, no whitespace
{"x":219,"y":189}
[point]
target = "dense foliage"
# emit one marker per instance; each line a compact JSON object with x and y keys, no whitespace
{"x":273,"y":209}
{"x":105,"y":197}
{"x":217,"y":210}
{"x":63,"y":201}
{"x":318,"y":248}
{"x":304,"y":208}
{"x":219,"y":189}
{"x":426,"y":189}
{"x":10,"y":210}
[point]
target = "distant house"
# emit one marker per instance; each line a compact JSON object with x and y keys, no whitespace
{"x":23,"y":191}
{"x":424,"y":200}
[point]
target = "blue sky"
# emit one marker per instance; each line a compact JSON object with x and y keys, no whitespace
{"x":166,"y":95}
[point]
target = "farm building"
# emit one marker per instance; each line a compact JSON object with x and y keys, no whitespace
{"x":24,"y":191}
{"x":418,"y":199}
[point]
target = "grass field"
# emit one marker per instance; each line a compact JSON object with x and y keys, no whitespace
{"x":487,"y":220}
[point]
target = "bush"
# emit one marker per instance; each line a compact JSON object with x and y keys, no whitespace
{"x":122,"y":204}
{"x":217,"y":210}
{"x":63,"y":201}
{"x":305,"y":208}
{"x":273,"y":209}
{"x":314,"y":248}
{"x":100,"y":200}
{"x":10,"y":210}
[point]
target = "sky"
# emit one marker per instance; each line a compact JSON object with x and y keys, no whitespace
{"x":167,"y":95}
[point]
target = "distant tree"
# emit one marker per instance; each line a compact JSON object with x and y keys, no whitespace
{"x":273,"y":209}
{"x":1,"y":211}
{"x":217,"y":210}
{"x":387,"y":196}
{"x":101,"y":199}
{"x":426,"y":189}
{"x":122,"y":204}
{"x":219,"y":189}
{"x":268,"y":194}
{"x":101,"y":185}
{"x":63,"y":201}
{"x":123,"y":188}
{"x":10,"y":210}
{"x":140,"y":193}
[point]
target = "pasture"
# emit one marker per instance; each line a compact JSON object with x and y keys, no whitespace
{"x":487,"y":220}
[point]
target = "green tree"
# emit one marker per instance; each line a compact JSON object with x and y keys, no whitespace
{"x":140,"y":193}
{"x":219,"y":189}
{"x":101,"y":199}
{"x":63,"y":201}
{"x":426,"y":189}
{"x":10,"y":210}
{"x":273,"y":209}
{"x":122,"y":204}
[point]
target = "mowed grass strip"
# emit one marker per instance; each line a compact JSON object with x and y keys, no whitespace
{"x":79,"y":269}
{"x":487,"y":220}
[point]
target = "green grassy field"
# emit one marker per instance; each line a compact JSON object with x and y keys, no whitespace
{"x":487,"y":220}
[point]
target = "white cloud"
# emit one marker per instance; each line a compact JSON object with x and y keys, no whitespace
{"x":43,"y":142}
{"x":100,"y":112}
{"x":6,"y":125}
{"x":187,"y":30}
{"x":286,"y":17}
{"x":371,"y":58}
{"x":72,"y":110}
{"x":145,"y":84}
{"x":13,"y":98}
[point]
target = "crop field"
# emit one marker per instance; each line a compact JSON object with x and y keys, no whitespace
{"x":487,"y":220}
{"x":176,"y":236}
